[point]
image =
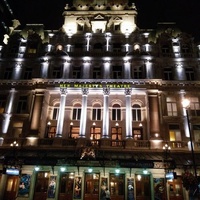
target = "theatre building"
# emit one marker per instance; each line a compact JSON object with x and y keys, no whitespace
{"x":96,"y":104}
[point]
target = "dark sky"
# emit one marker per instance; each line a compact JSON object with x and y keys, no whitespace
{"x":186,"y":13}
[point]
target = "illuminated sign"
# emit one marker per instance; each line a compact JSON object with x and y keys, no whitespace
{"x":94,"y":85}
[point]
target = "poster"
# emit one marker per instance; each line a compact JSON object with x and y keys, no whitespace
{"x":77,"y":188}
{"x":104,"y":185}
{"x":130,"y":189}
{"x":52,"y":187}
{"x":159,"y":190}
{"x":24,"y":185}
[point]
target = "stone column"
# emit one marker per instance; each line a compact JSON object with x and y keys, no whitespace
{"x":128,"y":113}
{"x":105,"y":131}
{"x":149,"y":70}
{"x":83,"y":113}
{"x":8,"y":111}
{"x":17,"y":72}
{"x":127,"y":69}
{"x":45,"y":68}
{"x":61,"y":116}
{"x":66,"y":69}
{"x":86,"y":69}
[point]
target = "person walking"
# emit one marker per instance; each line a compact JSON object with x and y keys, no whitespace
{"x":107,"y":194}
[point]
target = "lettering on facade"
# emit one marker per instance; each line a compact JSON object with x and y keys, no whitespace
{"x":94,"y":85}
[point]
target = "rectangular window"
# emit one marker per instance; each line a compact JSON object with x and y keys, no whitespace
{"x":171,"y":106}
{"x":28,"y":73}
{"x":196,"y":130}
{"x":97,"y":72}
{"x":174,"y":132}
{"x":57,"y":72}
{"x":137,"y":133}
{"x":76,"y":73}
{"x":55,"y":113}
{"x":22,"y":105}
{"x":137,"y":72}
{"x":116,"y":114}
{"x":8,"y":73}
{"x":76,"y":114}
{"x":194,"y":106}
{"x":168,"y":74}
{"x":117,"y":72}
{"x":17,"y":129}
{"x":116,"y":135}
{"x":189,"y":72}
{"x":96,"y":114}
{"x":3,"y":99}
{"x":75,"y":132}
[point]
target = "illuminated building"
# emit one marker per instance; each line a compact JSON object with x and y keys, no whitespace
{"x":92,"y":105}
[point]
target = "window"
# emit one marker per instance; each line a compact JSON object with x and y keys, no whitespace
{"x":137,"y":72}
{"x":194,"y":106}
{"x":3,"y":99}
{"x":55,"y":113}
{"x":168,"y":73}
{"x":117,"y":185}
{"x":96,"y":113}
{"x":189,"y":72}
{"x":117,"y":47}
{"x":137,"y":133}
{"x":76,"y":112}
{"x":174,"y":132}
{"x":196,"y":130}
{"x":75,"y":132}
{"x":8,"y":73}
{"x":22,"y":105}
{"x":76,"y":73}
{"x":165,"y":49}
{"x":17,"y":129}
{"x":96,"y":72}
{"x":28,"y":73}
{"x":136,"y":112}
{"x":66,"y":184}
{"x":171,"y":106}
{"x":116,"y":112}
{"x":116,"y":136}
{"x":57,"y":72}
{"x":117,"y":72}
{"x":185,"y":48}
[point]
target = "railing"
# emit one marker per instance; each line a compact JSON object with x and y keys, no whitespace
{"x":129,"y":144}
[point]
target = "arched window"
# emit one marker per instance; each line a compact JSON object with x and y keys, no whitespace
{"x":76,"y":112}
{"x":116,"y":112}
{"x":136,"y":112}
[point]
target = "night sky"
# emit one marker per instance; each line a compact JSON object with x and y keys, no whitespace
{"x":49,"y":12}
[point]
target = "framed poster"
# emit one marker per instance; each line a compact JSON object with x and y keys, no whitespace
{"x":24,"y":185}
{"x":159,"y":189}
{"x":52,"y":187}
{"x":130,"y":189}
{"x":77,"y":188}
{"x":104,"y":185}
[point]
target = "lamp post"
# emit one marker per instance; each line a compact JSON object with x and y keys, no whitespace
{"x":186,"y":105}
{"x":47,"y":129}
{"x":93,"y":126}
{"x":166,"y":149}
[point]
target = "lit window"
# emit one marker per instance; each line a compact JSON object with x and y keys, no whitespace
{"x":171,"y":106}
{"x":17,"y":129}
{"x":194,"y":106}
{"x":116,"y":112}
{"x":174,"y":132}
{"x":196,"y":130}
{"x":136,"y":112}
{"x":3,"y":99}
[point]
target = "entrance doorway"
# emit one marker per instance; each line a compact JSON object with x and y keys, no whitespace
{"x":11,"y":187}
{"x":91,"y":186}
{"x":117,"y":186}
{"x":175,"y":189}
{"x":143,"y":189}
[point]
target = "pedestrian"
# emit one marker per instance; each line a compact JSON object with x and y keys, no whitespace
{"x":107,"y":194}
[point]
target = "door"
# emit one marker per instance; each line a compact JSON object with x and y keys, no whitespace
{"x":91,"y":186}
{"x":41,"y":186}
{"x":66,"y":186}
{"x":11,"y":187}
{"x":117,"y":186}
{"x":143,"y":187}
{"x":175,"y":189}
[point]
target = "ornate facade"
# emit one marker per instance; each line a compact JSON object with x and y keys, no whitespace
{"x":98,"y":104}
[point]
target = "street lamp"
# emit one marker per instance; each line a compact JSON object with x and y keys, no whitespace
{"x":48,"y":128}
{"x":70,"y":130}
{"x":93,"y":126}
{"x":186,"y":105}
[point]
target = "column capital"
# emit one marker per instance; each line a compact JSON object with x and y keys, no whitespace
{"x":85,"y":91}
{"x":128,"y":91}
{"x":106,"y":90}
{"x":63,"y":91}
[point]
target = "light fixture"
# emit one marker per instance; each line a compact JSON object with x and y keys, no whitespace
{"x":117,"y":171}
{"x":90,"y":170}
{"x":37,"y":168}
{"x":62,"y":169}
{"x":145,"y":171}
{"x":139,"y":177}
{"x":14,"y":144}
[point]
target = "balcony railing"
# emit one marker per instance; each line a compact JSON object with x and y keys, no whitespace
{"x":129,"y":144}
